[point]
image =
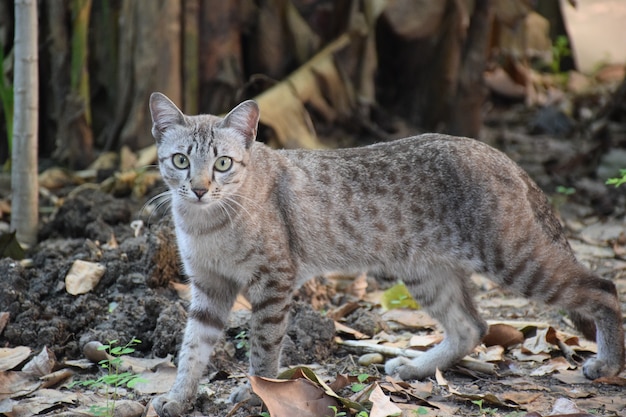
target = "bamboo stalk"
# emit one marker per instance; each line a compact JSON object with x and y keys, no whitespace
{"x":24,"y":181}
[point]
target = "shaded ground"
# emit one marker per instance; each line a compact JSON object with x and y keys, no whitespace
{"x":139,"y":294}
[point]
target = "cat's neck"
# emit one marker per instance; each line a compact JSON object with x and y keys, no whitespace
{"x":205,"y":220}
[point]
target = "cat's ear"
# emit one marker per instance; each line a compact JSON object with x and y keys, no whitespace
{"x":164,"y":113}
{"x":244,"y":119}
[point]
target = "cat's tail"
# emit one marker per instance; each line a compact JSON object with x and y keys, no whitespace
{"x":584,"y":324}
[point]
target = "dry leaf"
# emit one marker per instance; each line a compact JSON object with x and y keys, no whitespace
{"x":611,"y":380}
{"x":441,"y":381}
{"x":410,"y":319}
{"x":56,"y":377}
{"x":41,"y":401}
{"x":343,"y":310}
{"x":42,"y":364}
{"x":521,"y":397}
{"x":503,"y":335}
{"x":540,"y":343}
{"x":157,"y":382}
{"x":342,"y":328}
{"x":381,"y":404}
{"x":556,"y":364}
{"x":17,"y":384}
{"x":296,"y":397}
{"x":571,"y":377}
{"x":487,"y":398}
{"x":358,"y":287}
{"x":4,"y":320}
{"x":491,"y":354}
{"x":12,"y":357}
{"x":521,"y":356}
{"x":424,"y":341}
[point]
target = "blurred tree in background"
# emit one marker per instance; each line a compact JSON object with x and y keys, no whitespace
{"x":354,"y":65}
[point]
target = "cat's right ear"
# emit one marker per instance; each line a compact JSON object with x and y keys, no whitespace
{"x":164,"y":113}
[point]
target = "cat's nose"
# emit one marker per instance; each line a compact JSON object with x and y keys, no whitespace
{"x":199,"y":192}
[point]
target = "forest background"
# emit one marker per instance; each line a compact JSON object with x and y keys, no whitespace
{"x":325,"y":74}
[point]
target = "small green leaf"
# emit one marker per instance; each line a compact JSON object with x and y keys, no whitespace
{"x":356,"y":387}
{"x":398,"y":296}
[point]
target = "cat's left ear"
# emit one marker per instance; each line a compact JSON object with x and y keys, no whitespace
{"x":244,"y":119}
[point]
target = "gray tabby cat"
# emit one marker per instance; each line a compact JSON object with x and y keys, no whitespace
{"x":428,"y":210}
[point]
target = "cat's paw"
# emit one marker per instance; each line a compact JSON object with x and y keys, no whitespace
{"x":244,"y":393}
{"x":167,"y":407}
{"x":595,"y":368}
{"x":403,"y":368}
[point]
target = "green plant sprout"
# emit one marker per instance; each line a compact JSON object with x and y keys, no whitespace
{"x":336,"y":412}
{"x":561,"y":189}
{"x":484,"y":410}
{"x":242,"y":340}
{"x":359,"y":386}
{"x":113,"y":377}
{"x":619,"y":180}
{"x":560,"y":49}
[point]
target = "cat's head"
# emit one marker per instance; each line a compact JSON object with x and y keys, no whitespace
{"x":203,"y":158}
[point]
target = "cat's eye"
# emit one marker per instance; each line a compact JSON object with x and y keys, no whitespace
{"x":223,"y":163}
{"x":180,"y":161}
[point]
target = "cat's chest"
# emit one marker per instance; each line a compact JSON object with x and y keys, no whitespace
{"x":205,"y":249}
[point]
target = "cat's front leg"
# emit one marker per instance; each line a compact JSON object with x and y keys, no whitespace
{"x":208,"y":312}
{"x":270,"y":296}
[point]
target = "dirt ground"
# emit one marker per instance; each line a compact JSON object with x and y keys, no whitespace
{"x":140,"y":296}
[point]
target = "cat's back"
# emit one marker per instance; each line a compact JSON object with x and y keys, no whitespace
{"x":435,"y":160}
{"x":424,"y":182}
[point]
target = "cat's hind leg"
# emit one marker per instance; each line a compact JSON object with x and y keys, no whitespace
{"x":443,"y":292}
{"x":552,"y":275}
{"x":596,"y":313}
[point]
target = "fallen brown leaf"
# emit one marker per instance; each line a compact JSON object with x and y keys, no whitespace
{"x":556,"y":364}
{"x":12,"y":357}
{"x":381,"y":404}
{"x":342,"y":328}
{"x":503,"y":335}
{"x":17,"y":384}
{"x":42,"y":364}
{"x":295,"y":397}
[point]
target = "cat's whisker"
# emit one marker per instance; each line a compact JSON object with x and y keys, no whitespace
{"x":223,"y":204}
{"x":238,"y":204}
{"x":251,"y":201}
{"x":155,"y":203}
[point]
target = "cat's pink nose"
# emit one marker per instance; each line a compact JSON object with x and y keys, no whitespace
{"x":199,"y":192}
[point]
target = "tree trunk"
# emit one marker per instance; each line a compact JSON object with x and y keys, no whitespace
{"x":68,"y":101}
{"x":191,"y":55}
{"x":465,"y":115}
{"x":221,"y":66}
{"x":24,"y":182}
{"x":150,"y":60}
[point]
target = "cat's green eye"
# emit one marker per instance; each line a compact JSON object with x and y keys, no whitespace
{"x":180,"y":161}
{"x":223,"y":163}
